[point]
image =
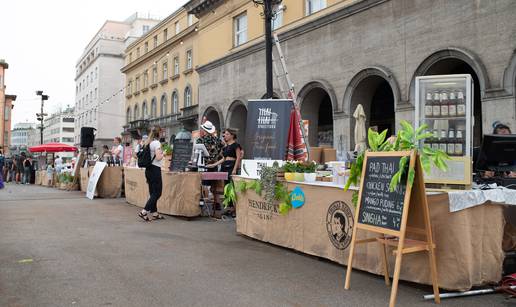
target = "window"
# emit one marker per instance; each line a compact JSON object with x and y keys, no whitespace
{"x":188,"y":97}
{"x":154,"y":75}
{"x":176,"y":66}
{"x":146,"y":47}
{"x":91,"y":96}
{"x":145,"y":79}
{"x":138,"y":52}
{"x":240,"y":29}
{"x":175,"y":103}
{"x":68,"y":129}
{"x":277,"y":22}
{"x":145,"y":112}
{"x":137,"y":84}
{"x":165,"y":35}
{"x":145,"y":29}
{"x":128,"y":116}
{"x":177,"y":27}
{"x":155,"y":41}
{"x":189,"y":19}
{"x":163,"y":106}
{"x":7,"y":113}
{"x":68,"y":120}
{"x":97,"y":71}
{"x":1,"y":82}
{"x":153,"y":108}
{"x":165,"y":71}
{"x":129,"y":90}
{"x":313,"y":6}
{"x":189,"y":59}
{"x":136,"y":113}
{"x":96,"y":93}
{"x":67,"y":140}
{"x":87,"y":96}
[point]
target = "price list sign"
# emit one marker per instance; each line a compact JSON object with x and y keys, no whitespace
{"x":181,"y":155}
{"x":378,"y":205}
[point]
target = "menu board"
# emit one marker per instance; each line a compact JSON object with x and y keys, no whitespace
{"x":181,"y":155}
{"x":378,"y":205}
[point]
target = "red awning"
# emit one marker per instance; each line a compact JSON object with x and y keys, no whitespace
{"x":52,"y":147}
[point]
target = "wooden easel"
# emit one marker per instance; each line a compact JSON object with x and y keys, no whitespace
{"x":419,"y":219}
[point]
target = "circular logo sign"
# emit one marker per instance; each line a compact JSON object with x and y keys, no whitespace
{"x":339,"y":224}
{"x":297,"y":197}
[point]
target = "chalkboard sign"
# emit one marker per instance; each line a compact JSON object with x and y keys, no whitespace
{"x":181,"y":155}
{"x":378,"y":205}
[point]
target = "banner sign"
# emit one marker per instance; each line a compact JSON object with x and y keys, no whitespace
{"x":268,"y":122}
{"x":94,"y":178}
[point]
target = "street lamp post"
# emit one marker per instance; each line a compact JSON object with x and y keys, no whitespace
{"x":41,"y":116}
{"x":268,"y":14}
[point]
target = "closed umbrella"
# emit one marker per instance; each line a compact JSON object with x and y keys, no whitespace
{"x":360,"y":129}
{"x":296,"y":148}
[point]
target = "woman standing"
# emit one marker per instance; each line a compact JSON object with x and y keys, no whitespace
{"x":153,"y":176}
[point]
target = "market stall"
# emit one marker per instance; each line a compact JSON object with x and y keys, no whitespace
{"x":468,"y":242}
{"x":180,"y":196}
{"x":110,"y":183}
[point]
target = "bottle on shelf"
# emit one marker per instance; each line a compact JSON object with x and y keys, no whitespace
{"x":435,"y":140}
{"x":428,"y":105}
{"x":429,"y":141}
{"x":459,"y":143}
{"x":452,"y":104}
{"x":461,"y":104}
{"x":450,"y":145}
{"x":443,"y":141}
{"x":436,"y":108}
{"x":444,"y":104}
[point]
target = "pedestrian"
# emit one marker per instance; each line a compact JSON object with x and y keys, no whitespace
{"x":106,"y":154}
{"x":50,"y":175}
{"x":2,"y":164}
{"x":214,"y":146}
{"x":231,"y":157}
{"x":58,"y":164}
{"x":117,"y":151}
{"x":19,"y":167}
{"x":153,"y":176}
{"x":27,"y":170}
{"x":9,"y":170}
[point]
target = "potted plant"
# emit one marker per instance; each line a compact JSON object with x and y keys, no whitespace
{"x":310,"y":174}
{"x":290,"y":168}
{"x":299,"y":174}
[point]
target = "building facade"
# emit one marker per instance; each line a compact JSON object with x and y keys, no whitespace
{"x":60,"y":128}
{"x":343,"y":53}
{"x":20,"y":136}
{"x":6,"y":106}
{"x":99,"y":101}
{"x":161,"y":79}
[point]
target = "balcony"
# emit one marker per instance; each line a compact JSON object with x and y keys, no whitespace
{"x":164,"y":121}
{"x":189,"y":113}
{"x":138,"y":124}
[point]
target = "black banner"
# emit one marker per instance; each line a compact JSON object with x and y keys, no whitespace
{"x":267,"y":129}
{"x":181,"y":155}
{"x":379,"y":206}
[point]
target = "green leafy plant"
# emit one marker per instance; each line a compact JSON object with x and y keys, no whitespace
{"x":229,"y":194}
{"x":290,"y":167}
{"x":407,"y":139}
{"x":309,"y":167}
{"x":167,"y":149}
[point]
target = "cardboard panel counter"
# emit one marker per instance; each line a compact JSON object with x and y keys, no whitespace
{"x":468,"y":243}
{"x":110,"y":182}
{"x":180,"y":196}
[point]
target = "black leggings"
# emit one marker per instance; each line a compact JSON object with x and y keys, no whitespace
{"x":228,"y":166}
{"x":153,"y":176}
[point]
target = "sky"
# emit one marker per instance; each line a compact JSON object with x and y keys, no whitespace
{"x":42,"y":41}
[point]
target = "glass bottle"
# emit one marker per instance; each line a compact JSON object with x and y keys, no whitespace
{"x":459,"y":144}
{"x":450,"y":146}
{"x":461,"y":104}
{"x":443,"y":142}
{"x":436,"y":108}
{"x":428,"y":105}
{"x":444,"y":104}
{"x":452,"y":104}
{"x":435,"y":143}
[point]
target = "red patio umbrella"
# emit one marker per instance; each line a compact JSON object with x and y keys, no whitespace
{"x":52,"y":147}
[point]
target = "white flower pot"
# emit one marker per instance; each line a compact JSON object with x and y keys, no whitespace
{"x":310,"y":177}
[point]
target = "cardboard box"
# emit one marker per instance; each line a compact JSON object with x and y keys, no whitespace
{"x":328,"y":154}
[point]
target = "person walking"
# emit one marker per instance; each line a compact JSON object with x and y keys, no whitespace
{"x":27,"y":170}
{"x":58,"y":164}
{"x":153,"y":176}
{"x":2,"y":164}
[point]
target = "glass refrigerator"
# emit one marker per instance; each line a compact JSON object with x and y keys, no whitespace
{"x":445,"y":104}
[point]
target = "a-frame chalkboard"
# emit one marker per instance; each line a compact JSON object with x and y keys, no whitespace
{"x":387,"y":214}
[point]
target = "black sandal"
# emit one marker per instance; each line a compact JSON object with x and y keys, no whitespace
{"x":145,"y":217}
{"x":158,"y":217}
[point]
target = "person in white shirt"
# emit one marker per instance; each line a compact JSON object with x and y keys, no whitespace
{"x":58,"y":164}
{"x":117,"y":151}
{"x":153,"y":176}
